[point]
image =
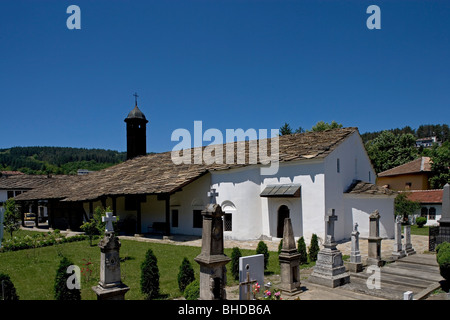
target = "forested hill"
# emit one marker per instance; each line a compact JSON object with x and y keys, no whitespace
{"x":57,"y":160}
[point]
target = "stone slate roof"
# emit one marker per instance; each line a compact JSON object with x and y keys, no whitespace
{"x":27,"y":182}
{"x":366,"y":188}
{"x":422,"y":164}
{"x":157,"y":174}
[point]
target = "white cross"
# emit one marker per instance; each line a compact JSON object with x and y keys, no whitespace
{"x":109,"y":218}
{"x":212,"y":196}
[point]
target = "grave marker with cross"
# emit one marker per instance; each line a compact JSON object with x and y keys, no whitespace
{"x":212,"y":196}
{"x":330,"y":219}
{"x":109,"y":218}
{"x":248,"y":283}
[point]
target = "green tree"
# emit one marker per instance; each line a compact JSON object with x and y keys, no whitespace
{"x":313,"y":249}
{"x":61,"y":289}
{"x":322,"y":126}
{"x":235,"y":255}
{"x":8,"y":289}
{"x":12,"y":217}
{"x":262,"y":249}
{"x":285,"y":129}
{"x":301,"y":248}
{"x":185,"y":275}
{"x":405,"y":207}
{"x":389,"y":150}
{"x":440,"y":166}
{"x":192,"y":291}
{"x":150,"y":276}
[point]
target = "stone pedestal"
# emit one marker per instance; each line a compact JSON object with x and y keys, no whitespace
{"x":110,"y":286}
{"x":398,"y":251}
{"x":289,"y":261}
{"x":355,"y":264}
{"x":211,"y":259}
{"x":329,"y":269}
{"x":408,"y":248}
{"x":444,"y":222}
{"x":374,"y":240}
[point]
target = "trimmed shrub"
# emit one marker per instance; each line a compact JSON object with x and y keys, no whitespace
{"x":192,"y":291}
{"x":313,"y":248}
{"x":61,"y":290}
{"x":301,"y":248}
{"x":235,"y":255}
{"x":443,"y":259}
{"x":262,"y":249}
{"x":185,"y":275}
{"x":9,"y":289}
{"x":420,"y":221}
{"x":150,"y":276}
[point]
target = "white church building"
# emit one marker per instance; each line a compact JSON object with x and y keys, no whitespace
{"x":318,"y":171}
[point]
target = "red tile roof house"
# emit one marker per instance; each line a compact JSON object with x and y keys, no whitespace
{"x":431,"y":204}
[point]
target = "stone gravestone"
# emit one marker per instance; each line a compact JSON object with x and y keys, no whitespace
{"x":212,"y":259}
{"x":329,"y":269}
{"x":374,"y":239}
{"x":289,"y":261}
{"x":398,"y":251}
{"x":110,"y":286}
{"x":444,"y":222}
{"x":355,"y":264}
{"x":251,"y":271}
{"x":408,"y":248}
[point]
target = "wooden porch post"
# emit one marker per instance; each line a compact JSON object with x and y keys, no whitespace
{"x":167,"y":231}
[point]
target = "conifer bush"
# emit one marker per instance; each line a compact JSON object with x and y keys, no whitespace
{"x":262,"y":249}
{"x":235,"y":255}
{"x":9,"y":291}
{"x":301,"y":248}
{"x":61,"y":288}
{"x":192,"y":291}
{"x":150,"y":276}
{"x":443,"y":259}
{"x":185,"y":275}
{"x":313,"y":248}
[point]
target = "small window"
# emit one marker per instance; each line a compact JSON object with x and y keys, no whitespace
{"x":130,"y":203}
{"x":175,"y":218}
{"x":408,"y":185}
{"x":424,"y":212}
{"x":338,"y":166}
{"x":18,"y":192}
{"x":197,"y":223}
{"x":227,"y":221}
{"x":10,"y":194}
{"x":432,"y":213}
{"x":369,"y":177}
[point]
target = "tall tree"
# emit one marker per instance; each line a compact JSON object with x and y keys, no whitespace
{"x":440,"y":166}
{"x":12,"y":217}
{"x":322,"y":126}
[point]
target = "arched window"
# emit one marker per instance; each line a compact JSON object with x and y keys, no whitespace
{"x":424,"y":212}
{"x":432,"y":213}
{"x":229,"y":209}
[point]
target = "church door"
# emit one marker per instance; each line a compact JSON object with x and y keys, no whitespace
{"x":283,"y":213}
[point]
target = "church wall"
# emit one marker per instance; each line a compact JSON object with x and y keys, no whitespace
{"x":360,"y":207}
{"x":353,"y":164}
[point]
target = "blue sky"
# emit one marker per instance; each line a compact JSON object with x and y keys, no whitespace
{"x":231,"y":64}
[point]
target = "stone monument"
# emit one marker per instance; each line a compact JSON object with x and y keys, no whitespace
{"x":398,"y":251}
{"x":110,"y":286}
{"x":408,"y":248}
{"x":2,"y":214}
{"x":289,"y":261}
{"x":329,"y":269}
{"x":355,"y":264}
{"x":374,"y":239}
{"x":444,"y":222}
{"x":212,"y":259}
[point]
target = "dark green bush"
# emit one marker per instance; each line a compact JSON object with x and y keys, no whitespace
{"x":420,"y":221}
{"x":313,"y":248}
{"x":9,"y":289}
{"x":235,"y":255}
{"x":262,"y":249}
{"x":443,"y":259}
{"x":192,"y":291}
{"x":61,"y":290}
{"x":185,"y":275}
{"x":150,"y":276}
{"x":301,"y":248}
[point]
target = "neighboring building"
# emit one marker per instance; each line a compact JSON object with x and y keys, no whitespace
{"x":413,"y":175}
{"x":82,"y":172}
{"x":427,"y":142}
{"x":318,"y":171}
{"x":430,"y":202}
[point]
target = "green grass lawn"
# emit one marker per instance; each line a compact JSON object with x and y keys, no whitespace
{"x":33,"y":270}
{"x":419,"y":231}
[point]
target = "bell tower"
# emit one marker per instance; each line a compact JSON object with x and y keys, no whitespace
{"x":136,"y":132}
